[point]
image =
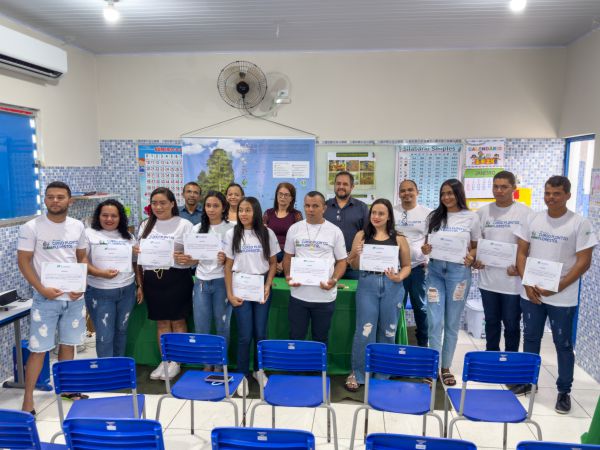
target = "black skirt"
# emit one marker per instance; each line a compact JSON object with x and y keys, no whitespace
{"x":168,"y":293}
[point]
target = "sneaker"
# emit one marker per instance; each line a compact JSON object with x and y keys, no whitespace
{"x":256,"y":376}
{"x":563,"y":403}
{"x":173,"y":370}
{"x":521,"y":389}
{"x":158,"y":373}
{"x":240,"y":389}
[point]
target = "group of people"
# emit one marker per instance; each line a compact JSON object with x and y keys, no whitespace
{"x":337,"y":231}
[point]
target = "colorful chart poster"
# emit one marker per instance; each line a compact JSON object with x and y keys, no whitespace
{"x":257,"y":164}
{"x":360,"y":164}
{"x":429,"y":165}
{"x":159,"y":166}
{"x":484,"y":153}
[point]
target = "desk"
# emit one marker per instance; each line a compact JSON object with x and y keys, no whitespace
{"x":14,"y":315}
{"x":141,"y":336}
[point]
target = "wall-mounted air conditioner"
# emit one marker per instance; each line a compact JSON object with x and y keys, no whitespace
{"x":25,"y":54}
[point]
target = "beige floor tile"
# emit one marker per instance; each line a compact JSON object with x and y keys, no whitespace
{"x":587,"y":399}
{"x":180,"y":439}
{"x":562,"y":428}
{"x":344,"y":415}
{"x":490,"y":434}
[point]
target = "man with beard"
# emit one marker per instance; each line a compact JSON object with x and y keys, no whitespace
{"x":347,"y":212}
{"x":191,"y":210}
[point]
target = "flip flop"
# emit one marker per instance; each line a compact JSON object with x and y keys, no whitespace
{"x":448,"y":379}
{"x":74,"y":396}
{"x":351,"y":384}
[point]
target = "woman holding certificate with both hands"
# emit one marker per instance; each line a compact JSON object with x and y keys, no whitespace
{"x":383,"y":257}
{"x":451,"y":245}
{"x":250,"y":263}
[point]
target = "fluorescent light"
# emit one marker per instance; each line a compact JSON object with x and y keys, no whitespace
{"x":518,"y":5}
{"x":111,"y":14}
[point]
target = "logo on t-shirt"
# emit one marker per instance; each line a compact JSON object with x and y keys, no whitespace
{"x":548,"y":237}
{"x":500,"y":223}
{"x":57,"y":244}
{"x":251,"y":249}
{"x":311,"y":243}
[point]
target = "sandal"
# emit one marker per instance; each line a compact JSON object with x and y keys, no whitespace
{"x":351,"y":384}
{"x":428,"y":381}
{"x":74,"y":396}
{"x":447,"y":378}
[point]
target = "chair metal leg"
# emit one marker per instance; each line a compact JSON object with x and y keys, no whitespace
{"x":451,"y":426}
{"x":537,"y":426}
{"x":243,"y":410}
{"x":272,"y":416}
{"x":424,"y":423}
{"x":328,"y":425}
{"x":504,"y":435}
{"x":192,"y":415}
{"x":253,"y":409}
{"x":366,"y":424}
{"x":334,"y":426}
{"x":162,"y":397}
{"x":446,"y":407}
{"x":354,"y":423}
{"x":53,"y":438}
{"x":440,"y":422}
{"x":235,"y":410}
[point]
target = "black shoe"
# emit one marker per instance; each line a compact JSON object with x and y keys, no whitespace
{"x":563,"y":403}
{"x":521,"y":389}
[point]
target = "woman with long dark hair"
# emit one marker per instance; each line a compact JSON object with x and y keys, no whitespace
{"x":378,"y":293}
{"x":110,"y":295}
{"x":448,"y":282}
{"x":250,"y":248}
{"x":167,"y":290}
{"x":234,"y":194}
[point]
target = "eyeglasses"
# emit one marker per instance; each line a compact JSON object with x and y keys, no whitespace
{"x":283,"y":195}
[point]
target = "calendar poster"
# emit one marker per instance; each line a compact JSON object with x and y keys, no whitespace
{"x":429,"y":165}
{"x":484,"y":153}
{"x":478,"y":182}
{"x":160,"y":166}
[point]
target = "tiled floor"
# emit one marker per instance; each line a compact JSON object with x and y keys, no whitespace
{"x":175,"y":415}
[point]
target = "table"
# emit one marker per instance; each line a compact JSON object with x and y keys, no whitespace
{"x":142,"y":343}
{"x":13,"y":314}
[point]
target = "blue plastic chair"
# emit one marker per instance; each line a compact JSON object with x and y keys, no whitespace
{"x":495,"y":405}
{"x":384,"y":441}
{"x":535,"y":445}
{"x":401,"y":397}
{"x":100,"y":434}
{"x":18,"y":430}
{"x":308,"y":391}
{"x":251,"y":438}
{"x":98,"y":375}
{"x":191,"y":348}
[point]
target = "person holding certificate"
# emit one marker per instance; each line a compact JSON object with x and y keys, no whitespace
{"x":553,"y":237}
{"x":163,"y":271}
{"x":110,"y":295}
{"x":234,"y":194}
{"x":499,"y":281}
{"x":50,"y":240}
{"x":250,"y":263}
{"x":380,"y":284}
{"x":451,"y":246}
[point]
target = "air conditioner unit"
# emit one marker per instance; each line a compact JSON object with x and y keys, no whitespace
{"x":25,"y":54}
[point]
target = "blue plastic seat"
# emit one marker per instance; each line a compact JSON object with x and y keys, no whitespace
{"x":100,"y":434}
{"x":399,"y":396}
{"x":255,"y":438}
{"x":495,"y":405}
{"x":384,"y":441}
{"x":18,"y":430}
{"x":308,"y":391}
{"x":98,"y":375}
{"x":535,"y":445}
{"x":192,"y":348}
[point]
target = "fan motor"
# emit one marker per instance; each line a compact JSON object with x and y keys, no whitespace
{"x":242,"y":87}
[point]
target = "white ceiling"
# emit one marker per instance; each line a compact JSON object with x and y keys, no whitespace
{"x":306,"y":25}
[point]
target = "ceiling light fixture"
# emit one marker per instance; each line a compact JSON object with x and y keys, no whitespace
{"x":518,"y":5}
{"x":111,"y":13}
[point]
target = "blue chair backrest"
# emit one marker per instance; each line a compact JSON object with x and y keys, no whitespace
{"x":402,"y":360}
{"x":384,"y":441}
{"x":18,"y":430}
{"x":250,"y":438}
{"x":194,"y":348}
{"x":292,"y":355}
{"x":94,"y":375}
{"x":92,"y":434}
{"x":536,"y":445}
{"x":502,"y":367}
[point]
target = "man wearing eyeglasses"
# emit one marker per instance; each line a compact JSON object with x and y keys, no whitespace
{"x":347,"y":212}
{"x":411,"y":221}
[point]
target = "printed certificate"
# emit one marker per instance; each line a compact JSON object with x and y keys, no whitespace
{"x":68,"y":277}
{"x":248,"y":287}
{"x":378,"y":258}
{"x":447,"y":248}
{"x":156,"y":252}
{"x":542,"y":273}
{"x":202,"y":246}
{"x":310,"y":271}
{"x":111,"y":256}
{"x":496,"y":254}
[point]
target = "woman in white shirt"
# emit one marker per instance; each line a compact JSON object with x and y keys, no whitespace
{"x":234,"y":195}
{"x":250,"y":248}
{"x":448,"y":282}
{"x":166,"y":288}
{"x":110,"y":294}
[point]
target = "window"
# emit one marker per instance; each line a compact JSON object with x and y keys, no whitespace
{"x":579,"y":160}
{"x":19,"y":172}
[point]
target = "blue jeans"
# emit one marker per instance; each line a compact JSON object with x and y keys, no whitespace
{"x":251,"y":319}
{"x":414,"y":287}
{"x":211,"y":304}
{"x":448,"y":286}
{"x":110,"y":310}
{"x":378,"y":303}
{"x":561,"y":323}
{"x":318,"y":315}
{"x":501,"y":309}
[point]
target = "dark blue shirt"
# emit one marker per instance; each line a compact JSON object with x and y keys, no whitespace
{"x":350,"y":219}
{"x":195,"y":217}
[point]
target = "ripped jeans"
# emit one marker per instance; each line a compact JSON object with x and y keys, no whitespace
{"x":447,"y":289}
{"x":378,"y":303}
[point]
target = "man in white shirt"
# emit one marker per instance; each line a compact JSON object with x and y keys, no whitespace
{"x":501,"y":287}
{"x":51,"y":238}
{"x":557,"y":235}
{"x":314,"y":237}
{"x":411,"y":221}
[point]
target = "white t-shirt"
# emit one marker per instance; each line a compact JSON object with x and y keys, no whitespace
{"x":250,"y":259}
{"x":211,"y":270}
{"x":103,"y":237}
{"x":499,"y":224}
{"x":174,"y":229}
{"x":413,"y":225}
{"x":52,"y":242}
{"x":558,"y":240}
{"x":463,"y":224}
{"x":323,"y":241}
